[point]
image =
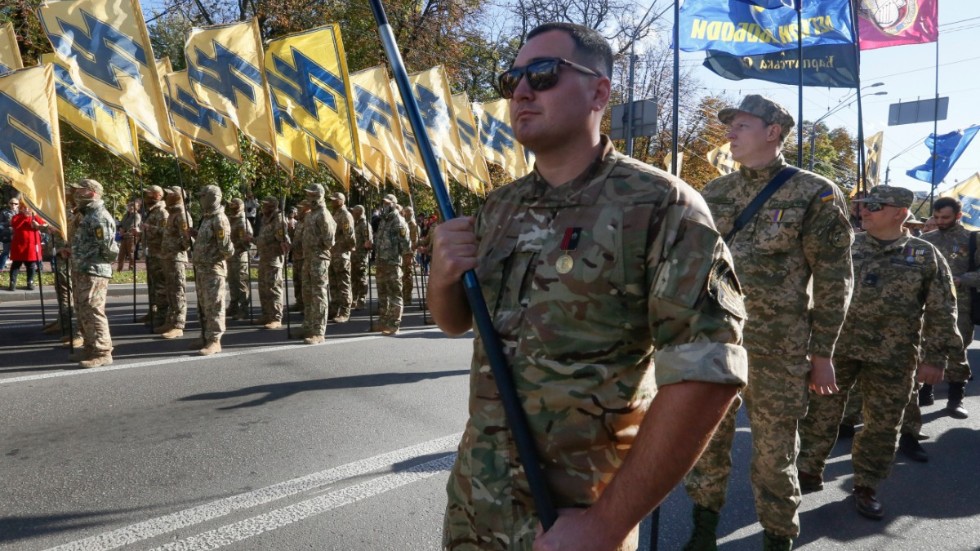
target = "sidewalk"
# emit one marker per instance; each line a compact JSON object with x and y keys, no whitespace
{"x":115,"y":290}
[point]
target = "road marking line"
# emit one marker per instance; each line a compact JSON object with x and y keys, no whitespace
{"x":183,"y":359}
{"x":169,"y":523}
{"x":277,"y":518}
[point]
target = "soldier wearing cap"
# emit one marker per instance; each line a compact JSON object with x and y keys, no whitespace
{"x":93,"y":248}
{"x":154,"y":227}
{"x":801,"y":233}
{"x":408,"y":261}
{"x":298,"y":258}
{"x":319,"y":229}
{"x":211,"y":249}
{"x":129,"y":229}
{"x":272,"y":244}
{"x":953,"y":241}
{"x":360,"y":260}
{"x":391,"y":246}
{"x":238,"y":278}
{"x":902,"y":312}
{"x":176,"y":243}
{"x":340,"y":263}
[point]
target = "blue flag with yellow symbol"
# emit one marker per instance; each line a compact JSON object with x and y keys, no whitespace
{"x":946,"y":149}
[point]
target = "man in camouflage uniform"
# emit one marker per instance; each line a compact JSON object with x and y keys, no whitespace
{"x":272,"y":243}
{"x":614,"y":297}
{"x":212,"y":247}
{"x":801,"y":232}
{"x":238,"y":265}
{"x":129,"y":229}
{"x":340,"y":264}
{"x":953,"y":241}
{"x":154,"y":228}
{"x":360,"y":259}
{"x":176,"y":243}
{"x":408,"y":261}
{"x":319,"y":229}
{"x":391,"y":246}
{"x":93,"y":248}
{"x":296,"y":253}
{"x":903,"y":296}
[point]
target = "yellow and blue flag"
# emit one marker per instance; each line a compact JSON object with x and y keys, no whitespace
{"x":470,"y":148}
{"x":415,"y":167}
{"x":378,"y":126}
{"x":333,"y":161}
{"x":199,"y":122}
{"x":106,"y":48}
{"x":291,"y":141}
{"x":183,"y":147}
{"x":499,"y":145}
{"x":721,"y":158}
{"x":30,"y":144}
{"x":431,"y":89}
{"x":307,"y":74}
{"x":9,"y":52}
{"x":968,"y":192}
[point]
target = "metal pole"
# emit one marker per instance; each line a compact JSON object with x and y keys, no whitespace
{"x":676,"y":109}
{"x":799,"y":50}
{"x":861,"y":184}
{"x":629,"y":101}
{"x":935,"y":132}
{"x":516,"y":417}
{"x":285,"y":258}
{"x":71,"y":312}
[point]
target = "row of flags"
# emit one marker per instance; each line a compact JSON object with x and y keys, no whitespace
{"x":292,"y":97}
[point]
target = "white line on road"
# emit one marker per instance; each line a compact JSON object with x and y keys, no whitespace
{"x":196,"y":515}
{"x":182,"y":359}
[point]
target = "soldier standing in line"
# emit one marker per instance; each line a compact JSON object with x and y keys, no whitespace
{"x":319,"y":229}
{"x":273,"y":244}
{"x":175,"y":245}
{"x":903,"y":309}
{"x":93,"y":248}
{"x":60,"y":252}
{"x":800,"y":232}
{"x":340,"y":263}
{"x":153,"y":230}
{"x":296,"y":253}
{"x":129,"y":230}
{"x":408,"y":261}
{"x":211,"y":249}
{"x":953,"y":241}
{"x":360,"y":259}
{"x":238,"y":278}
{"x":391,"y":246}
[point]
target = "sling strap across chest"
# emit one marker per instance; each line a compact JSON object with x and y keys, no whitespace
{"x":753,"y":207}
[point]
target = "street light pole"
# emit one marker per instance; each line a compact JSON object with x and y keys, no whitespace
{"x":844,"y":103}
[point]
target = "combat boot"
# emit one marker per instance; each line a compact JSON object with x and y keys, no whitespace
{"x":954,"y":404}
{"x":810,"y":483}
{"x":867,"y":503}
{"x":73,"y":342}
{"x":13,"y":280}
{"x":213,"y":347}
{"x":772,"y":542}
{"x":163,"y":328}
{"x":926,"y":396}
{"x":910,"y":447}
{"x":273,"y":325}
{"x":173,"y":333}
{"x":97,"y":361}
{"x":315,"y":339}
{"x":703,"y":536}
{"x":340,"y":318}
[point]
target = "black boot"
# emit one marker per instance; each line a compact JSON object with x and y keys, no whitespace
{"x":772,"y":542}
{"x":926,"y":396}
{"x":703,"y":536}
{"x":30,"y":276}
{"x":13,"y":280}
{"x":954,"y":405}
{"x":910,"y":447}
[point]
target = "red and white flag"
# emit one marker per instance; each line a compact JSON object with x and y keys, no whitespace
{"x":884,"y":23}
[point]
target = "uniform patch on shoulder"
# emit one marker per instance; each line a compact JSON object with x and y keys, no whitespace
{"x":827,"y":196}
{"x":220,"y":233}
{"x":98,"y":233}
{"x":402,"y":232}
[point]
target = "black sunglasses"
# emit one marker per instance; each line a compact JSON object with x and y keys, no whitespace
{"x":541,"y":74}
{"x":873,"y":206}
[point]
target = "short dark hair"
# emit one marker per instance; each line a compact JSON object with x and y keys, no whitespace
{"x":593,"y":48}
{"x":947,"y":202}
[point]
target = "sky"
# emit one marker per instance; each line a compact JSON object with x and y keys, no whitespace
{"x":908,"y":73}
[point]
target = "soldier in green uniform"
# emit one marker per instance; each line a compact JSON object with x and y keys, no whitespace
{"x":953,"y":241}
{"x":154,"y":227}
{"x":391,"y":246}
{"x":211,"y":249}
{"x":319,"y":229}
{"x":903,"y":302}
{"x":175,"y":245}
{"x":93,"y":248}
{"x":272,"y":243}
{"x":241,"y":232}
{"x":800,"y":236}
{"x":360,"y":258}
{"x":297,"y":255}
{"x":408,"y":261}
{"x":340,"y":261}
{"x":618,"y":310}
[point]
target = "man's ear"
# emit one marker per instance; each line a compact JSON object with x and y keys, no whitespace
{"x":603,"y":91}
{"x":774,"y":132}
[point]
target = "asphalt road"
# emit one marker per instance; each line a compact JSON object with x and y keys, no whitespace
{"x":275,"y":445}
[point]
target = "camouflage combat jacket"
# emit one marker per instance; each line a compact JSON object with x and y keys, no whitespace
{"x":801,"y":231}
{"x":93,"y":245}
{"x":601,"y":289}
{"x":344,"y":237}
{"x":319,"y":230}
{"x":362,"y":235}
{"x":954,"y":244}
{"x":240,"y":229}
{"x":413,"y":233}
{"x":156,"y":225}
{"x":902,"y":290}
{"x":391,"y":243}
{"x":213,"y":244}
{"x":272,"y":234}
{"x":175,"y":240}
{"x":297,"y":250}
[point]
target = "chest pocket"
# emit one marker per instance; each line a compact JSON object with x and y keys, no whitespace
{"x":778,"y":226}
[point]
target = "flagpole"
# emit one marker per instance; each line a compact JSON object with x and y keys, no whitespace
{"x":674,"y":132}
{"x":935,"y":131}
{"x":799,"y":51}
{"x":516,"y":417}
{"x":862,"y":183}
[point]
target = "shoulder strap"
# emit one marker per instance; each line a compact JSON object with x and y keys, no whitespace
{"x":973,"y":252}
{"x":743,"y":218}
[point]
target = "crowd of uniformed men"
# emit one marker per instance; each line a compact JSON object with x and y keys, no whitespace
{"x":330,"y":249}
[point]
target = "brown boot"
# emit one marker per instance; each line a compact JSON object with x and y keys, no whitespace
{"x":173,"y":333}
{"x":316,"y":339}
{"x":163,"y":329}
{"x":212,"y":347}
{"x":273,"y":325}
{"x":97,"y":361}
{"x":75,"y":342}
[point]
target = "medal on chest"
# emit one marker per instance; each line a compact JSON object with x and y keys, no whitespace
{"x":569,"y":243}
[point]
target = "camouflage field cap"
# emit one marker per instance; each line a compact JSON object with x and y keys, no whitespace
{"x":316,"y":189}
{"x":913,"y":220}
{"x":762,"y":107}
{"x":270,"y":200}
{"x":390,"y":198}
{"x":236,"y":205}
{"x":889,"y":195}
{"x":338,"y":196}
{"x":210,"y":190}
{"x":152,"y":190}
{"x":89,"y":184}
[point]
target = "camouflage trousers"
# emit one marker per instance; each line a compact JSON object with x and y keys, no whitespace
{"x":886,"y":389}
{"x":912,"y":418}
{"x":238,"y":279}
{"x":316,"y":300}
{"x":340,"y":286}
{"x":62,"y":288}
{"x":958,"y":369}
{"x":298,"y":297}
{"x":270,"y":290}
{"x":90,"y":295}
{"x":126,"y":250}
{"x":157,"y":280}
{"x":175,"y":282}
{"x":776,"y":399}
{"x":210,"y":288}
{"x":359,"y":280}
{"x":408,"y":283}
{"x":389,"y":277}
{"x":852,"y":412}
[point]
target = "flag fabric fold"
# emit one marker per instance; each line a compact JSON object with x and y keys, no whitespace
{"x":872,"y":163}
{"x":199,"y":122}
{"x":721,"y":158}
{"x":830,"y":65}
{"x":497,"y":137}
{"x":894,"y":23}
{"x":378,"y":126}
{"x":183,"y":147}
{"x":478,"y":175}
{"x":9,"y":51}
{"x":968,"y":193}
{"x":946,"y":149}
